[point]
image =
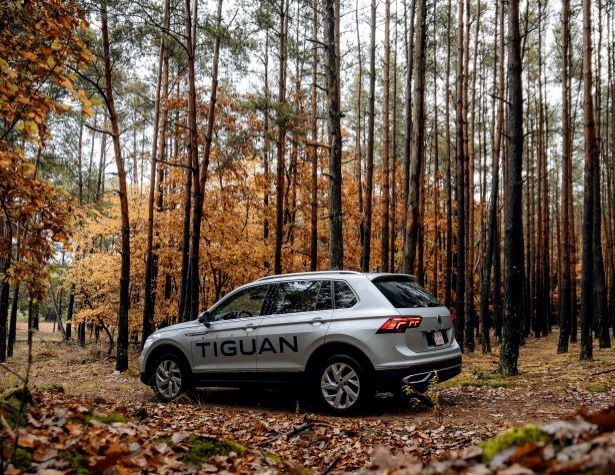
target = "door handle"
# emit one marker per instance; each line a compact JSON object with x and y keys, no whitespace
{"x":249,"y":327}
{"x":316,"y":321}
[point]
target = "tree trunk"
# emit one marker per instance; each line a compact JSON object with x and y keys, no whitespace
{"x":266,"y":148}
{"x":150,"y":268}
{"x":102,"y":163}
{"x":513,"y":238}
{"x":459,"y":188}
{"x":13,"y":321}
{"x":449,"y":185}
{"x":192,"y":165}
{"x":121,"y":363}
{"x":493,"y":200}
{"x":5,"y":287}
{"x":369,"y":171}
{"x":203,"y":169}
{"x":418,"y":141}
{"x":589,"y":204}
{"x":408,"y":119}
{"x":386,"y":193}
{"x":336,"y":244}
{"x":566,"y":299}
{"x":69,"y":312}
{"x":80,"y":165}
{"x":281,"y":143}
{"x":314,"y":148}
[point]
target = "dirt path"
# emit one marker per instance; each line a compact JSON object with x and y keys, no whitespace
{"x":474,"y":406}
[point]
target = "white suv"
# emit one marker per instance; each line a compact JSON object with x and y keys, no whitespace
{"x":343,"y":334}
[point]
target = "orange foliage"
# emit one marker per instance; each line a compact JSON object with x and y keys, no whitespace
{"x":40,"y":48}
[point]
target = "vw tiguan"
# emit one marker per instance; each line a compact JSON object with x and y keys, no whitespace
{"x":343,"y":335}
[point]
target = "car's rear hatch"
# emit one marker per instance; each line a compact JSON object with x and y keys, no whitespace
{"x":433,"y":331}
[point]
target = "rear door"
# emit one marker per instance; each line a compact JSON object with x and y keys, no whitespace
{"x":435,"y":331}
{"x":297,"y":321}
{"x":229,"y":343}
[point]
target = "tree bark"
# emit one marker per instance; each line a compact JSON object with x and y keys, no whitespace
{"x":459,"y":186}
{"x":589,"y":204}
{"x":281,"y":143}
{"x":513,"y":238}
{"x":314,"y":148}
{"x":386,"y":192}
{"x":121,"y":363}
{"x":566,"y":300}
{"x":13,"y":320}
{"x":493,"y":200}
{"x":192,"y":165}
{"x":449,"y":180}
{"x":408,"y":120}
{"x":199,"y":195}
{"x":369,"y":171}
{"x":418,"y":141}
{"x":150,"y":269}
{"x":336,"y":243}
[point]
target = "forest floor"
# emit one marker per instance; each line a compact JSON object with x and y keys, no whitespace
{"x":473,"y":407}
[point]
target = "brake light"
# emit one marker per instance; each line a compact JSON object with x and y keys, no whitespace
{"x":454,"y":319}
{"x":400,"y":324}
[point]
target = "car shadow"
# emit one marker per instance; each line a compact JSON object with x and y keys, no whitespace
{"x":287,"y":401}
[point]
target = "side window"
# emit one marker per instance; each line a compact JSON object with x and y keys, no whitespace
{"x":294,"y":297}
{"x":245,"y":304}
{"x":324,"y":302}
{"x":344,"y":296}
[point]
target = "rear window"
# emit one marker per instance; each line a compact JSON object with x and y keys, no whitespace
{"x":344,"y":296}
{"x":406,"y":294}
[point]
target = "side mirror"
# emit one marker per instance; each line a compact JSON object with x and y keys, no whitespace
{"x":205,"y":318}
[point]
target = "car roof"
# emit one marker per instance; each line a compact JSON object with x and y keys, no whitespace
{"x":328,"y":273}
{"x":373,"y":276}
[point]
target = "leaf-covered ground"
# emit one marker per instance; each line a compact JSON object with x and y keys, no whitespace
{"x":279,"y":433}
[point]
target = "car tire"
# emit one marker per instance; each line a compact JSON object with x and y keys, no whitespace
{"x":170,"y":377}
{"x":341,"y":385}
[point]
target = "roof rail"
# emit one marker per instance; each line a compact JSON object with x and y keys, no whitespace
{"x":298,"y":274}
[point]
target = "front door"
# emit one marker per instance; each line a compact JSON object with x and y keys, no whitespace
{"x":296,"y":321}
{"x":229,"y":343}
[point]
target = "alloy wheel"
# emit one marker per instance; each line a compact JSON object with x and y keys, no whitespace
{"x":340,"y":385}
{"x":168,"y":378}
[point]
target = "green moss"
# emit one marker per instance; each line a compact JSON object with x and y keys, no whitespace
{"x":22,"y":459}
{"x":512,"y":437}
{"x":10,"y":403}
{"x":203,"y":448}
{"x":109,"y":418}
{"x":479,"y":378}
{"x":465,"y":382}
{"x":163,"y":440}
{"x":77,"y":461}
{"x":597,"y":388}
{"x":53,"y":388}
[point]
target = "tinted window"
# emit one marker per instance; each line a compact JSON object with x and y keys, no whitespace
{"x":344,"y":296}
{"x":244,"y":304}
{"x":324,"y":301}
{"x":406,"y":294}
{"x":295,"y":297}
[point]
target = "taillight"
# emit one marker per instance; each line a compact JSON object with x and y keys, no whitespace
{"x":400,"y":324}
{"x":453,"y":319}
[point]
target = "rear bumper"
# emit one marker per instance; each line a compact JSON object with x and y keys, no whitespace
{"x":420,"y":374}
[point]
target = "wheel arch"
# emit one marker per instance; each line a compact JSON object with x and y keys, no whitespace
{"x":160,"y":350}
{"x":332,"y":348}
